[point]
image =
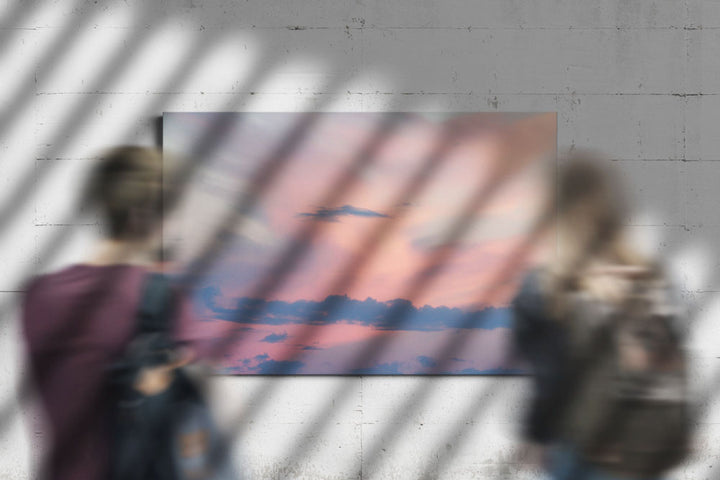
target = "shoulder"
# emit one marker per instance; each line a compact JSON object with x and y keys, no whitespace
{"x":37,"y":288}
{"x":47,"y":293}
{"x":32,"y":285}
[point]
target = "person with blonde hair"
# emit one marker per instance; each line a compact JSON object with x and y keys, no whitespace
{"x":601,"y":333}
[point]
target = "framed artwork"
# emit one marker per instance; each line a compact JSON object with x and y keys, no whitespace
{"x":357,"y":243}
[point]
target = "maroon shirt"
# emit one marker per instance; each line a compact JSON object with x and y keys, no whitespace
{"x":76,"y":323}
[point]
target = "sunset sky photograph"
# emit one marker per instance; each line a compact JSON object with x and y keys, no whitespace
{"x":359,"y":243}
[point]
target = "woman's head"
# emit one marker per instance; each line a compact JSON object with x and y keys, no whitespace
{"x":592,"y":249}
{"x":127,"y":186}
{"x":588,"y":207}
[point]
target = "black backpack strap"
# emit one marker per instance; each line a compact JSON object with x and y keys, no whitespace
{"x":156,"y":305}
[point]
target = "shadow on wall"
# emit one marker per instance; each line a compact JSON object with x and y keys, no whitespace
{"x":338,"y":52}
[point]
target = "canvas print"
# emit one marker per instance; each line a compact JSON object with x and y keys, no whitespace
{"x":357,"y":243}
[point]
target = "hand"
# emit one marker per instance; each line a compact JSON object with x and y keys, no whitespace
{"x":155,"y":380}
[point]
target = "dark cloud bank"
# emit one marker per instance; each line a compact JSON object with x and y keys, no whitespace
{"x":398,"y":314}
{"x":264,"y":365}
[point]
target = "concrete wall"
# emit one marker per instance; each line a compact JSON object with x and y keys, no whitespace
{"x":637,"y":79}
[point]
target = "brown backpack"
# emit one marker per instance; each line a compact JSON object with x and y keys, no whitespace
{"x":629,"y":412}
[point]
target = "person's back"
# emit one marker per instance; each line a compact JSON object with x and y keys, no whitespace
{"x":77,"y":322}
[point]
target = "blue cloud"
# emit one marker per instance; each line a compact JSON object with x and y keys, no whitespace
{"x":379,"y":369}
{"x":398,"y":314}
{"x":332,"y":214}
{"x":208,"y":296}
{"x":275,"y":338}
{"x":277,"y":367}
{"x":427,"y":362}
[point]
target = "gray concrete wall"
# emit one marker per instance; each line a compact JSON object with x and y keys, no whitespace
{"x":637,"y":79}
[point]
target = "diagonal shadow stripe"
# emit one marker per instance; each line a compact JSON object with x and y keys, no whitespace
{"x":17,"y":15}
{"x":438,"y":462}
{"x":24,"y":188}
{"x":45,"y":66}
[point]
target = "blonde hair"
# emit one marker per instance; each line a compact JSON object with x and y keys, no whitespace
{"x":127,"y":185}
{"x":590,"y":238}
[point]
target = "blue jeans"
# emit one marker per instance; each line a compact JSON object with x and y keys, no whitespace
{"x":565,"y":464}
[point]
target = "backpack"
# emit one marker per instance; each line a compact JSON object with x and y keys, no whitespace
{"x":629,"y":412}
{"x":168,"y":435}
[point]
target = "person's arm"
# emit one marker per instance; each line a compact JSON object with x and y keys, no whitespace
{"x":527,"y":309}
{"x":540,"y":341}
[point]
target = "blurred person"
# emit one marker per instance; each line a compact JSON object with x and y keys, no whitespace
{"x":601,"y":331}
{"x":106,"y":331}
